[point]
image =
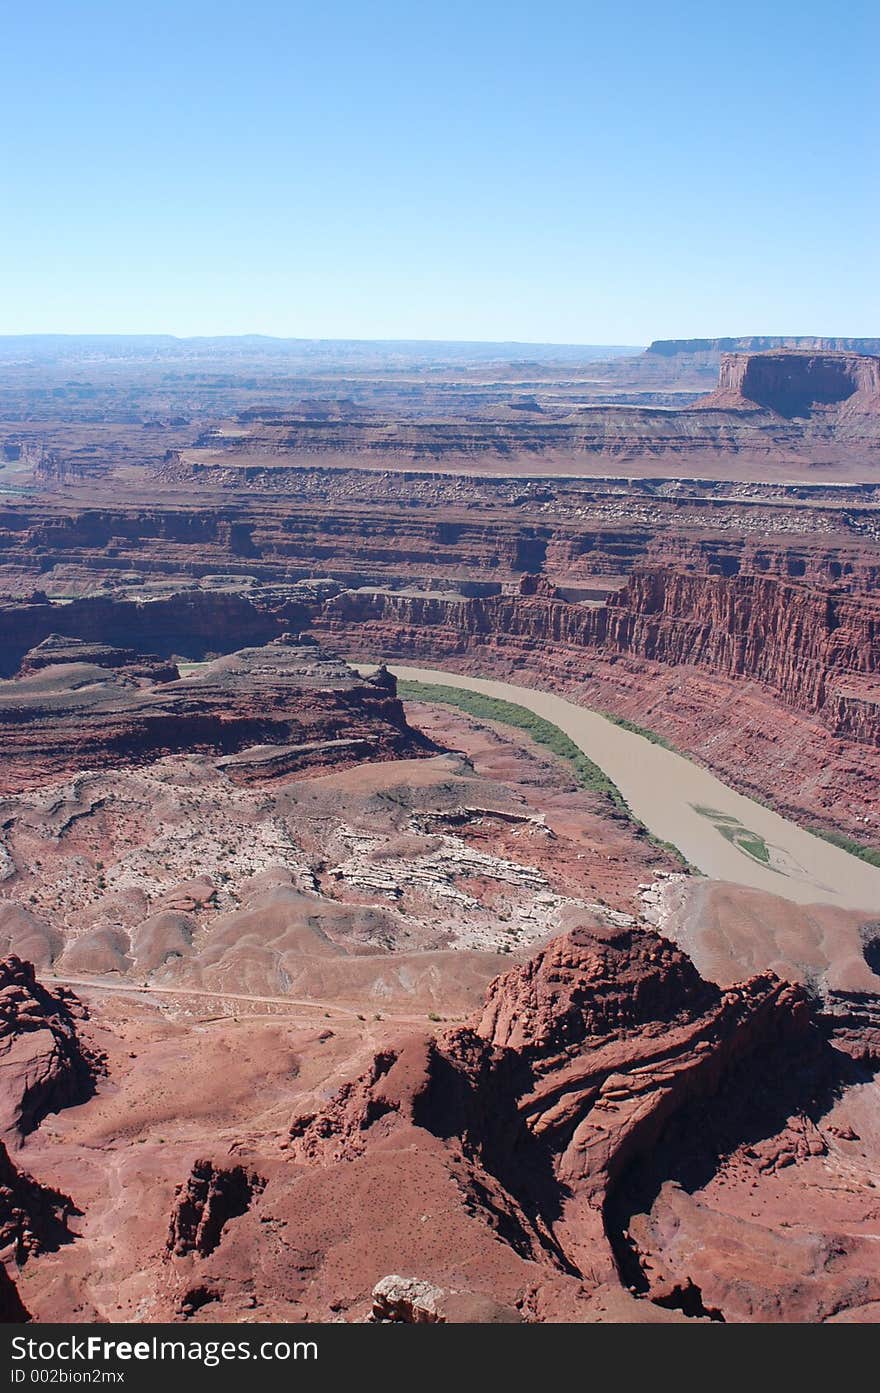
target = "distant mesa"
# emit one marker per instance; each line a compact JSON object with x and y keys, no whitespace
{"x":673,"y":348}
{"x":795,"y":383}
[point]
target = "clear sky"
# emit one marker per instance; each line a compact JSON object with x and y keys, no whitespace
{"x":587,"y":171}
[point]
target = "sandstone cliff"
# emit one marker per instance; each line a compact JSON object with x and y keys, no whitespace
{"x":573,"y":1081}
{"x":427,"y":530}
{"x":43,"y":1064}
{"x":817,"y":650}
{"x":33,"y":1217}
{"x":797,"y":384}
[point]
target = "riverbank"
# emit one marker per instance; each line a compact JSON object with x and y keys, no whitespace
{"x":726,"y":835}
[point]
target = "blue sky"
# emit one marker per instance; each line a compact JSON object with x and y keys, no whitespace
{"x":569,"y":172}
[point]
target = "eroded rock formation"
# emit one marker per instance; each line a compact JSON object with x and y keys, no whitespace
{"x":210,"y":1198}
{"x":275,"y":709}
{"x":33,"y":1217}
{"x":43,"y":1064}
{"x":610,"y":1137}
{"x":56,"y":650}
{"x":577,"y":1070}
{"x":410,"y":1301}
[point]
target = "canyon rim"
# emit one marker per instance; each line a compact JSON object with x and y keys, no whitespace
{"x":440,"y":846}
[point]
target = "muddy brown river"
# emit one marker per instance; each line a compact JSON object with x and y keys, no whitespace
{"x":724,"y":834}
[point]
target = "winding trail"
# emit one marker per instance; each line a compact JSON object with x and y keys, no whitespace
{"x":677,"y":801}
{"x":133,"y":989}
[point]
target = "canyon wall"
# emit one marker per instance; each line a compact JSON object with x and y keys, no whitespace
{"x":432,"y":529}
{"x":760,"y":409}
{"x":191,"y":623}
{"x":818,"y":651}
{"x":771,"y":684}
{"x":739,"y":620}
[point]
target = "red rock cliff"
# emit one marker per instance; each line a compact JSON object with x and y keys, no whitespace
{"x":269,"y":710}
{"x":795,"y":383}
{"x":580,"y":1060}
{"x":817,"y":650}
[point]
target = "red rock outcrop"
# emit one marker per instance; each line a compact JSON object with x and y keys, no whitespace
{"x":33,"y":1217}
{"x":292,"y":706}
{"x":580,"y":1061}
{"x":43,"y":1064}
{"x":210,"y":1197}
{"x":43,"y":1067}
{"x":608,"y":1124}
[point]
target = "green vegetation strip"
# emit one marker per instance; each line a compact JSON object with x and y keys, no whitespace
{"x":508,"y":713}
{"x":643,"y":731}
{"x":871,"y":854}
{"x":732,"y":830}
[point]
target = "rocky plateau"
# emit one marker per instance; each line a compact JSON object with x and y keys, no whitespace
{"x":323,"y":1001}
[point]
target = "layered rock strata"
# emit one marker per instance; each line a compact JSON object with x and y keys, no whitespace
{"x":308,"y":709}
{"x":818,"y":651}
{"x":192,"y":623}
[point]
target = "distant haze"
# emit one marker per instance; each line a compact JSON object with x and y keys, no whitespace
{"x":36,"y":346}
